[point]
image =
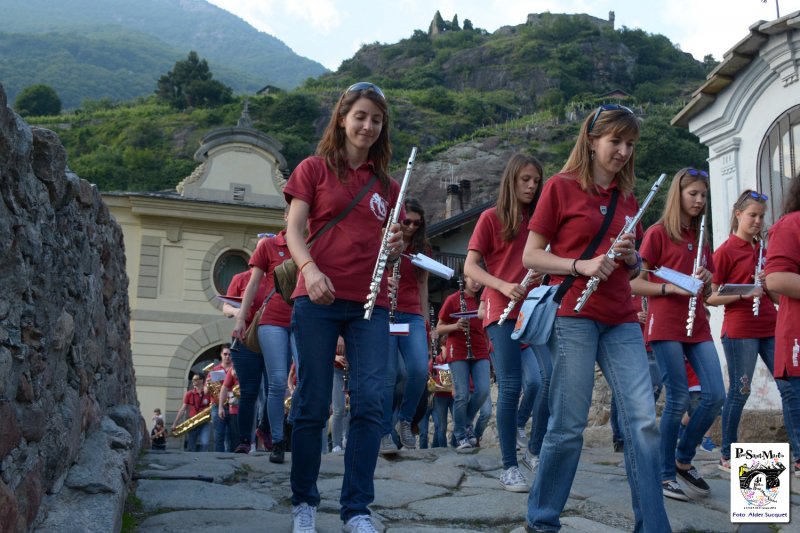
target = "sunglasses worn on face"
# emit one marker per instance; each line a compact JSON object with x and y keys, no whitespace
{"x":607,"y":107}
{"x":363,"y":86}
{"x":694,"y":172}
{"x":409,"y":222}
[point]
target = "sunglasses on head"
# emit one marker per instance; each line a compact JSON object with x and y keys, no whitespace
{"x":694,"y":172}
{"x":363,"y":86}
{"x":409,"y":222}
{"x":754,"y":195}
{"x":607,"y":107}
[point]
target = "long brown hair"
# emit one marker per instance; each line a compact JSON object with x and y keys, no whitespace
{"x":619,"y":121}
{"x":791,"y":202}
{"x":509,"y":208}
{"x":332,"y":144}
{"x":671,"y":217}
{"x":419,"y":241}
{"x":741,"y":203}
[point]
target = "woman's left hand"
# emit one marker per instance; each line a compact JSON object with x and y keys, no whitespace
{"x":703,"y":274}
{"x":395,"y":241}
{"x":625,"y":249}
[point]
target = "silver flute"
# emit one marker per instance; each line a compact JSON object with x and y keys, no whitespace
{"x":698,"y":262}
{"x":383,"y":253}
{"x":630,"y":225}
{"x":757,"y":299}
{"x":526,"y":281}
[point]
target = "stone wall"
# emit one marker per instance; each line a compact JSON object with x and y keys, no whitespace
{"x":66,"y":372}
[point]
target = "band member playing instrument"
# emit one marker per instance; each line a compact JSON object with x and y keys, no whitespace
{"x":228,"y":403}
{"x":783,"y":278}
{"x":673,"y":242}
{"x":340,"y":419}
{"x":569,"y":215}
{"x":498,"y":241}
{"x":412,"y":308}
{"x":465,"y":372}
{"x":250,"y":365}
{"x":746,"y":335}
{"x":334,"y":278}
{"x":226,"y":437}
{"x":195,"y":400}
{"x":274,"y":335}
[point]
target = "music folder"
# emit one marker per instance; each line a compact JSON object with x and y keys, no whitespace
{"x":736,"y":289}
{"x":434,"y":267}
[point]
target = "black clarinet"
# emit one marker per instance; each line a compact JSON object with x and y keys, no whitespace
{"x":432,"y":314}
{"x":463,"y":302}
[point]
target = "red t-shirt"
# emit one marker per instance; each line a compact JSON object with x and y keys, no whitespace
{"x":270,"y":253}
{"x":667,"y":315}
{"x":230,"y":382}
{"x":735,"y":262}
{"x":408,"y":292}
{"x":456,"y":347}
{"x":503,"y":260}
{"x":237,"y":287}
{"x":347,"y":252}
{"x":197,"y":401}
{"x":783,"y":255}
{"x":569,"y":218}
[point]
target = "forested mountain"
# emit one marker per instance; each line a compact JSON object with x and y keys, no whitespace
{"x":118,"y":49}
{"x":467,"y":98}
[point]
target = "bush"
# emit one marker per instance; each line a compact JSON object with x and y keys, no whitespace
{"x":38,"y":100}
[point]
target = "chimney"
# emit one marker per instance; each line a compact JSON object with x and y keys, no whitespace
{"x":611,"y":18}
{"x":452,"y":205}
{"x":466,"y":194}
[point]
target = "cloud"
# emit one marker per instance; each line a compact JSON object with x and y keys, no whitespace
{"x":321,"y":15}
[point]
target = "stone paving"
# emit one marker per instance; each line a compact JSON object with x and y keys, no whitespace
{"x":418,"y":491}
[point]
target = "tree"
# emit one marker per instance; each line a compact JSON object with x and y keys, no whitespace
{"x":454,"y":25}
{"x":38,"y":100}
{"x":468,"y":25}
{"x":190,"y":84}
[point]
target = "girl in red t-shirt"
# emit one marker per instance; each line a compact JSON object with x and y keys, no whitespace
{"x":571,"y":211}
{"x":745,"y":334}
{"x":333,"y":282}
{"x":783,"y":278}
{"x":411,"y":308}
{"x":497,"y":241}
{"x":673,"y":242}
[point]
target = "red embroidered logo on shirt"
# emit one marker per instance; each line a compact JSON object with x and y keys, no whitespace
{"x":378,"y":206}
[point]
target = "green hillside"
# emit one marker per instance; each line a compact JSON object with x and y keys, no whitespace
{"x":81,"y":46}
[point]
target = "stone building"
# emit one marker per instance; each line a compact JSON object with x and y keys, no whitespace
{"x":182,"y":249}
{"x":748,"y":115}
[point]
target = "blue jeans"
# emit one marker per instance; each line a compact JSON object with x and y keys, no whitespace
{"x":251,"y":373}
{"x":414,"y":349}
{"x":703,"y":358}
{"x":277,"y":350}
{"x":316,"y":329}
{"x":441,"y":405}
{"x":576,"y":344}
{"x":508,"y":358}
{"x":541,"y":409}
{"x":424,"y":425}
{"x":225,"y":434}
{"x":655,"y":379}
{"x":466,"y":405}
{"x":197,"y":440}
{"x":741,"y":355}
{"x":340,"y":418}
{"x":484,"y":415}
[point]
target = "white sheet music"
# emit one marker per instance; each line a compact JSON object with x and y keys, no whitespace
{"x":434,"y":267}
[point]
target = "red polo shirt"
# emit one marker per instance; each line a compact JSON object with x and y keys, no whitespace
{"x":230,"y":382}
{"x":197,"y":401}
{"x":237,"y":287}
{"x":347,"y":252}
{"x":667,"y":315}
{"x":503,"y":260}
{"x":408,"y":292}
{"x":569,"y":218}
{"x":270,"y":253}
{"x":735,"y":261}
{"x":456,"y":347}
{"x":783,"y":255}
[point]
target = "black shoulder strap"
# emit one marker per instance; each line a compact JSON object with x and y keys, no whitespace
{"x":590,"y":250}
{"x":335,"y":220}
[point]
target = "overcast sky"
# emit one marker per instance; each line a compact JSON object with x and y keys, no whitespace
{"x":330,"y":31}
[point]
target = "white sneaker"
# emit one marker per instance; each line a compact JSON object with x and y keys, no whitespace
{"x":360,"y":523}
{"x":513,"y":480}
{"x":305,"y":518}
{"x":465,"y":446}
{"x":336,"y":449}
{"x":531,"y":462}
{"x":522,"y":439}
{"x":387,"y":446}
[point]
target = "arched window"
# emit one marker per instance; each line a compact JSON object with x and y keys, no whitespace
{"x":228,"y":265}
{"x":778,"y":160}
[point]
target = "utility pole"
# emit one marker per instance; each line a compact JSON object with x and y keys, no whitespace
{"x":777,"y":8}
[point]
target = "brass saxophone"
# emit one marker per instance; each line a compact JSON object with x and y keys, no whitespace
{"x":202,"y":416}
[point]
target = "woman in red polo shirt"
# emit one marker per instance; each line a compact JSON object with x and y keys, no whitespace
{"x":783,"y":278}
{"x":571,"y":211}
{"x":497,"y":241}
{"x":673,"y":242}
{"x":745,"y":334}
{"x":332,"y":287}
